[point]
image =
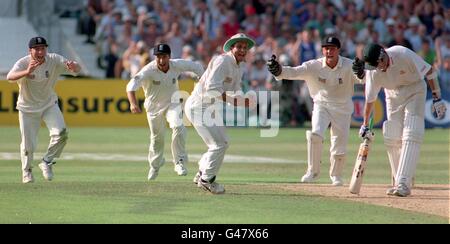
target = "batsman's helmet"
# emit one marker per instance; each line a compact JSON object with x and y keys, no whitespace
{"x":161,"y":49}
{"x":371,"y":54}
{"x":37,"y":41}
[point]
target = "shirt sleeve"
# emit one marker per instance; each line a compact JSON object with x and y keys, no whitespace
{"x":418,"y":63}
{"x":294,"y":73}
{"x":372,"y":89}
{"x":20,"y":65}
{"x":61,"y":65}
{"x":136,"y":82}
{"x":185,"y":66}
{"x":218,"y":74}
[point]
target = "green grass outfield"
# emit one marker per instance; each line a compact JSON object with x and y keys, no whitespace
{"x":116,"y":190}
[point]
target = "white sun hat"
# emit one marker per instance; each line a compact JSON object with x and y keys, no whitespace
{"x":239,"y":37}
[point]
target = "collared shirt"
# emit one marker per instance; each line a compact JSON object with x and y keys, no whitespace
{"x":328,"y":86}
{"x":37,"y":90}
{"x":405,"y":68}
{"x":159,"y":86}
{"x":222,"y":74}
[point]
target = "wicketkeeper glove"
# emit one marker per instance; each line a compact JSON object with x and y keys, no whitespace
{"x":358,"y":68}
{"x":366,"y":133}
{"x":273,"y":66}
{"x":438,"y":108}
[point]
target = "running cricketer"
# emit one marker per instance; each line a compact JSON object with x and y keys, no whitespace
{"x":37,"y":74}
{"x":217,"y":86}
{"x":159,"y":80}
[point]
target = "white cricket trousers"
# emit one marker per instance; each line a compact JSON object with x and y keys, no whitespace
{"x":157,"y":124}
{"x":406,"y":106}
{"x":29,"y":128}
{"x":322,"y":116}
{"x":214,"y":136}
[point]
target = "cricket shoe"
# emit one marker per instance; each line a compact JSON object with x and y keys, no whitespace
{"x":336,"y":181}
{"x":390,"y":191}
{"x":309,"y":177}
{"x":213,"y":187}
{"x":152,"y":173}
{"x":47,"y":170}
{"x":27,"y":176}
{"x":197,"y":177}
{"x":402,"y":190}
{"x":180,"y":169}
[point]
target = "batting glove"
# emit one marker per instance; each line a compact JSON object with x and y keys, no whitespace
{"x":438,"y":108}
{"x":273,"y":66}
{"x":358,"y":68}
{"x":366,"y":133}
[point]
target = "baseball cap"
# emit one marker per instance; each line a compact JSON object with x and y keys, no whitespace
{"x":331,"y":41}
{"x":371,"y":54}
{"x":37,"y":41}
{"x":239,"y":37}
{"x":161,"y":49}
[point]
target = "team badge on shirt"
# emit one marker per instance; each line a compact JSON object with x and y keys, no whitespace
{"x":228,"y":80}
{"x":340,"y":81}
{"x":47,"y":74}
{"x":174,"y":81}
{"x":322,"y":80}
{"x":156,"y":82}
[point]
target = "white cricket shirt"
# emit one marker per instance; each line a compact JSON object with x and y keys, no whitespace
{"x":329,"y":87}
{"x":405,"y":68}
{"x":222,"y":74}
{"x":159,"y":86}
{"x":37,"y":90}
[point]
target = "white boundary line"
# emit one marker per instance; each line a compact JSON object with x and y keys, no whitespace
{"x":134,"y":158}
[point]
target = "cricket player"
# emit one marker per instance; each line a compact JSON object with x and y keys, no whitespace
{"x":400,"y":72}
{"x":330,"y":81}
{"x":159,"y":80}
{"x":222,"y":76}
{"x":36,"y":74}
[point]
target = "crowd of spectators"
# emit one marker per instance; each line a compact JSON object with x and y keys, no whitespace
{"x":124,"y":31}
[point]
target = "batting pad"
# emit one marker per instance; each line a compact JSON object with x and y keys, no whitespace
{"x":315,"y":146}
{"x":392,"y":133}
{"x":414,"y":128}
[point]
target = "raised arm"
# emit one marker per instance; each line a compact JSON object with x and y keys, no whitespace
{"x":16,"y":74}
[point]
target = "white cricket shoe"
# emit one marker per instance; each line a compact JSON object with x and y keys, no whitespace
{"x":336,"y":181}
{"x":197,"y":177}
{"x":214,"y":187}
{"x":153,"y":173}
{"x":402,"y":190}
{"x":47,"y":170}
{"x":180,"y":169}
{"x":27,"y":176}
{"x":390,"y":191}
{"x":309,"y":177}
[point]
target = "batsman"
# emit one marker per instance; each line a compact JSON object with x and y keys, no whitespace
{"x":401,"y":73}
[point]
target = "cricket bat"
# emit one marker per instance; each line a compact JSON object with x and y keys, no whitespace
{"x":360,"y":164}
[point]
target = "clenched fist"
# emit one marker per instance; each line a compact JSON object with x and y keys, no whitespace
{"x":273,"y":66}
{"x":358,"y":68}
